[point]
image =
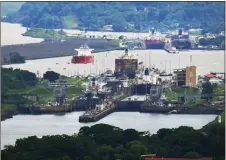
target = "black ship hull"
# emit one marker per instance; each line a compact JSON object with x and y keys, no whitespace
{"x":155,"y":109}
{"x":84,"y":104}
{"x":181,"y":44}
{"x":128,"y":105}
{"x":141,"y":89}
{"x":154,"y":46}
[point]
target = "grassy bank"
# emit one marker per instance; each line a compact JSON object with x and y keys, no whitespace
{"x":173,"y":96}
{"x":45,"y":33}
{"x":44,"y":94}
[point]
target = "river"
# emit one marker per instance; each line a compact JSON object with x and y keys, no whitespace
{"x":206,"y":61}
{"x":11,"y":34}
{"x":26,"y":125}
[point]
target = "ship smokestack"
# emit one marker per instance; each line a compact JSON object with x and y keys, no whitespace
{"x":146,"y":72}
{"x":93,"y":82}
{"x":180,"y":32}
{"x":126,"y":51}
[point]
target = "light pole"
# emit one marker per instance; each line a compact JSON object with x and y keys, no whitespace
{"x":165,"y":65}
{"x":178,"y":61}
{"x":96,"y":67}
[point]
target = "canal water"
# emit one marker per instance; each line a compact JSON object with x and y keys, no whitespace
{"x":11,"y":33}
{"x":27,"y":125}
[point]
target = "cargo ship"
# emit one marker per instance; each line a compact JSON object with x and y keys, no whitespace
{"x":83,"y":56}
{"x":154,"y":41}
{"x":181,"y":40}
{"x":126,"y":65}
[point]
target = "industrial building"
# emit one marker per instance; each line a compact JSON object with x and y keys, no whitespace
{"x":185,"y":76}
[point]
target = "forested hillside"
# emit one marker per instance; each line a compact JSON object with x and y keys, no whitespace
{"x":124,"y":16}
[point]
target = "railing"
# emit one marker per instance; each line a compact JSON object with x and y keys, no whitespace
{"x":60,"y":84}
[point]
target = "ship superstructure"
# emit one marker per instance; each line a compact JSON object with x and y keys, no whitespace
{"x":154,"y":41}
{"x":84,"y":55}
{"x":126,"y":64}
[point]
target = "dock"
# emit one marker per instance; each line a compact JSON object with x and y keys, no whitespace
{"x":94,"y":115}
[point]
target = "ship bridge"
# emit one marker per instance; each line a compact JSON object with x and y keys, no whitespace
{"x":84,"y":50}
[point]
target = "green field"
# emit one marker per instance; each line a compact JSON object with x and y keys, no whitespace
{"x":45,"y":94}
{"x":177,"y":91}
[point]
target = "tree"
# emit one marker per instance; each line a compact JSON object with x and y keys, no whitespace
{"x":16,"y":58}
{"x":207,"y":88}
{"x":131,"y":134}
{"x":51,"y":76}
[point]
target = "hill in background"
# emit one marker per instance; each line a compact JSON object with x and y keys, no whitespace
{"x":123,"y":16}
{"x":8,"y":8}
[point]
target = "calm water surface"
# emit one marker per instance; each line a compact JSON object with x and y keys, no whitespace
{"x":11,"y":34}
{"x":27,"y":125}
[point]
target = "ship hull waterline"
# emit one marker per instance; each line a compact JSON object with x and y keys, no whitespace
{"x":82,"y":59}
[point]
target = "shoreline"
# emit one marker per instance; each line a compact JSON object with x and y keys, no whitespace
{"x":52,"y":111}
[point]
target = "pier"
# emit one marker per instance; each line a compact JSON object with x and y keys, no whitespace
{"x":94,"y":115}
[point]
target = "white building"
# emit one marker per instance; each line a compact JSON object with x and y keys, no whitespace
{"x":216,"y":81}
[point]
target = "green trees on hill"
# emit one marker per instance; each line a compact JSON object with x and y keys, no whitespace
{"x":105,"y":142}
{"x":124,"y":16}
{"x":17,"y":79}
{"x":12,"y":80}
{"x":14,"y":58}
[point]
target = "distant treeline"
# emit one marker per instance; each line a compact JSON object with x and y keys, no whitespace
{"x":123,"y":16}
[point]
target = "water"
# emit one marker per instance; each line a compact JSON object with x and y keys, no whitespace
{"x":27,"y":125}
{"x":12,"y":34}
{"x":205,"y":61}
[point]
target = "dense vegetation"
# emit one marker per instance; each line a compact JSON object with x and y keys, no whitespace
{"x":105,"y":142}
{"x":14,"y":58}
{"x":51,"y":76}
{"x":123,"y":16}
{"x":15,"y":80}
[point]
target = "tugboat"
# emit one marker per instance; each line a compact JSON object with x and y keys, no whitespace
{"x":154,"y":41}
{"x":84,"y":55}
